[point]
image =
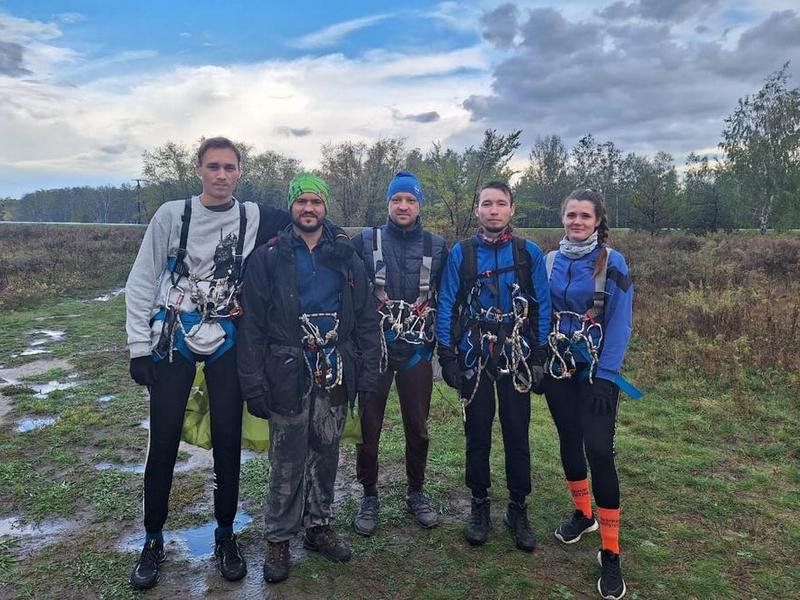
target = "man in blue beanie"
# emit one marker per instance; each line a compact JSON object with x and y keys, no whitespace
{"x":404,"y":262}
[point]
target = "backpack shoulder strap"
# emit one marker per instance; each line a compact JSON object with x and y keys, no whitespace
{"x":378,"y":264}
{"x":549,"y":261}
{"x":178,"y":268}
{"x":599,"y":297}
{"x":425,"y":267}
{"x":522,"y":264}
{"x":237,"y":258}
{"x":469,"y":261}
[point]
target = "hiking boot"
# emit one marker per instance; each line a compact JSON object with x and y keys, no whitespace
{"x":419,"y":506}
{"x":516,"y":519}
{"x":477,"y":530}
{"x":571,"y":531}
{"x":276,"y":563}
{"x":610,"y":585}
{"x":230,"y":561}
{"x":323,"y":539}
{"x":145,"y":573}
{"x":366,"y":521}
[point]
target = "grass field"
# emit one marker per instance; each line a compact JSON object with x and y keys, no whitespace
{"x":709,"y":460}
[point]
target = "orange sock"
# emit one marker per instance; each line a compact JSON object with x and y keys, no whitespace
{"x":609,"y":528}
{"x":581,"y":497}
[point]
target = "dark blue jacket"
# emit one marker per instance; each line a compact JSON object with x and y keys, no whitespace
{"x":572,"y":288}
{"x":492,"y":258}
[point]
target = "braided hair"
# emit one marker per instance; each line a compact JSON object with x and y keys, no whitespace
{"x":599,"y":203}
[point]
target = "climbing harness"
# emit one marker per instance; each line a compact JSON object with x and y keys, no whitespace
{"x":201,"y":330}
{"x":507,"y":353}
{"x":322,"y":357}
{"x":410,"y":322}
{"x":561,"y":364}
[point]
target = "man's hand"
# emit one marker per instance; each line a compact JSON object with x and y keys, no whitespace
{"x":258,"y":406}
{"x":536,"y":362}
{"x":143,"y":370}
{"x":604,"y":396}
{"x":451,"y":373}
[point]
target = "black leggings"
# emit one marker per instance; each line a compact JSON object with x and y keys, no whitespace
{"x":579,"y":431}
{"x":168,"y":399}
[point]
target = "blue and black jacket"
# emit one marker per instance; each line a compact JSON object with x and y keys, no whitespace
{"x":572,"y":289}
{"x":498,"y":276}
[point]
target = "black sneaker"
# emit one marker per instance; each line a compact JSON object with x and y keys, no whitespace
{"x":323,"y":539}
{"x":145,"y":573}
{"x":366,"y":521}
{"x":230,"y":562}
{"x":571,"y":531}
{"x":276,"y":564}
{"x":516,"y":519}
{"x":610,"y":585}
{"x":477,"y":530}
{"x":419,"y":506}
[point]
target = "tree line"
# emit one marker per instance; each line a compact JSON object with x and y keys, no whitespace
{"x":753,"y":182}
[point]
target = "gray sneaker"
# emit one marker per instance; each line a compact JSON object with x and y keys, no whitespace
{"x":366,"y":521}
{"x":419,"y":506}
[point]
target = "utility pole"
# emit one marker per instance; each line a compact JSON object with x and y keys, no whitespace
{"x":138,"y":199}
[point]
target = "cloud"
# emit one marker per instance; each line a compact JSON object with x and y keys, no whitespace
{"x":70,"y":17}
{"x":659,"y":10}
{"x":641,"y":83}
{"x":424,"y":117}
{"x":11,"y":60}
{"x":330,"y":36}
{"x":499,"y":26}
{"x":96,"y":131}
{"x":292,"y":131}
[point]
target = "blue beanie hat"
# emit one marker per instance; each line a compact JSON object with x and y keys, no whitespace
{"x":405,"y":181}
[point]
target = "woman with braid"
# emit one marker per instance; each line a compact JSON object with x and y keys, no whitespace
{"x":591,"y":294}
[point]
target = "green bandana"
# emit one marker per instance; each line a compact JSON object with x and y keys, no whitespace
{"x":306,"y":182}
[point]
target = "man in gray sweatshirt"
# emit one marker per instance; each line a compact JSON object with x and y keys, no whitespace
{"x":181,"y":297}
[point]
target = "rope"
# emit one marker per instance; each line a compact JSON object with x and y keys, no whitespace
{"x":322,"y":347}
{"x":406,"y":321}
{"x":561,"y":364}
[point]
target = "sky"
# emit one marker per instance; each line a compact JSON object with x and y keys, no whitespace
{"x":86,"y":86}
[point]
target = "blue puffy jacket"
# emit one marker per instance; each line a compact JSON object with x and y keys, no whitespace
{"x":492,"y":258}
{"x":572,"y":289}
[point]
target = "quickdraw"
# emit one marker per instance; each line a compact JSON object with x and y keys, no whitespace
{"x":514,"y":343}
{"x":561,"y":363}
{"x":323,"y":373}
{"x":406,"y":321}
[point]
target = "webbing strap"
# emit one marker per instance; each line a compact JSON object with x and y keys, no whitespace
{"x":425,"y":268}
{"x":379,"y":266}
{"x":237,"y":259}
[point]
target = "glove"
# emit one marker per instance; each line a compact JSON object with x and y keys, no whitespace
{"x":536,"y":362}
{"x":604,"y":396}
{"x":451,"y":373}
{"x":143,"y":370}
{"x":258,"y":406}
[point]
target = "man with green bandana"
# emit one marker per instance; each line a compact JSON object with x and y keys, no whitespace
{"x":308,"y":344}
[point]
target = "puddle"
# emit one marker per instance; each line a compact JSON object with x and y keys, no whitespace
{"x":145,"y":424}
{"x":15,"y":375}
{"x":31,"y":352}
{"x":109,"y":296}
{"x":43,"y":389}
{"x":51,"y":317}
{"x":107,"y":398}
{"x":31,"y":424}
{"x":106,"y":466}
{"x":50,"y":335}
{"x":196,"y":543}
{"x":45,"y":532}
